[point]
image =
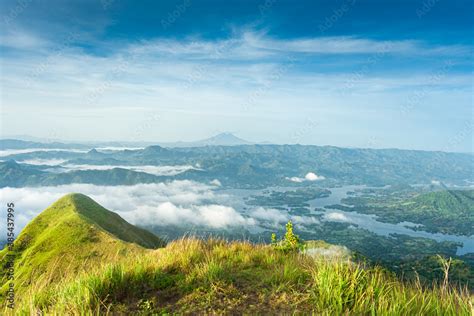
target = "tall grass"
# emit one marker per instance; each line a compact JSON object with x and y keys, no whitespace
{"x":214,"y":276}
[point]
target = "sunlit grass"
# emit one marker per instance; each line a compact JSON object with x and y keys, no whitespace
{"x":214,"y":276}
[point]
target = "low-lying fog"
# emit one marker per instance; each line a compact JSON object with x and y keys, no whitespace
{"x":188,"y":203}
{"x":178,"y":202}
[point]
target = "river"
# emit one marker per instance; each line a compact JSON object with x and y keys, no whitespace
{"x":364,"y":221}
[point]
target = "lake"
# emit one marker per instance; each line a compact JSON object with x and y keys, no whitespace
{"x":364,"y":221}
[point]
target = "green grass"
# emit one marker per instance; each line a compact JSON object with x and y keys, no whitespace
{"x":70,"y":236}
{"x":215,"y":276}
{"x":74,"y":259}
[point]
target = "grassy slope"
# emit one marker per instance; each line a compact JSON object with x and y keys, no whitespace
{"x":73,"y":234}
{"x":195,"y":276}
{"x":215,"y":277}
{"x":111,"y":222}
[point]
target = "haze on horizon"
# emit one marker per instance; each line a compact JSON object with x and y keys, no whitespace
{"x":343,"y":73}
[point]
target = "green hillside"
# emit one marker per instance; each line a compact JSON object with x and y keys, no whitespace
{"x":72,"y":235}
{"x":13,"y":174}
{"x":77,"y":258}
{"x":449,"y":211}
{"x":457,"y":201}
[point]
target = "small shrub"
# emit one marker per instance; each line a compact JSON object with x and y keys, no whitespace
{"x":289,"y":242}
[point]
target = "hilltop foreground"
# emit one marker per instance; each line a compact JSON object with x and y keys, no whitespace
{"x":79,"y":258}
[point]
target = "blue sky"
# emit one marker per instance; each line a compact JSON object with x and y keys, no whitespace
{"x":347,"y":73}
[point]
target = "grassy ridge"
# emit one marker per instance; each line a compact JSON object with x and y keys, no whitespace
{"x":72,"y":235}
{"x":110,"y":221}
{"x":215,"y":276}
{"x":81,"y":259}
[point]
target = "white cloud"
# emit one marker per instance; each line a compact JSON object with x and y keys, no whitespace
{"x":21,"y":40}
{"x":7,"y":152}
{"x":255,"y":45}
{"x":270,"y":215}
{"x":296,"y":179}
{"x":216,"y":182}
{"x":278,"y":218}
{"x":116,"y":148}
{"x":128,"y":201}
{"x":194,"y":77}
{"x":178,"y":202}
{"x":304,"y":220}
{"x":167,"y":213}
{"x":310,"y":176}
{"x":155,"y":170}
{"x":182,"y":203}
{"x":336,"y":217}
{"x":245,"y":43}
{"x":219,"y":216}
{"x":47,"y":162}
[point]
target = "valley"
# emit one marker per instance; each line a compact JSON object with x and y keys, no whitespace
{"x":219,"y":191}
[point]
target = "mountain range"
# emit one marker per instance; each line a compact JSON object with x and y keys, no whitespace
{"x":245,"y":166}
{"x":26,"y":142}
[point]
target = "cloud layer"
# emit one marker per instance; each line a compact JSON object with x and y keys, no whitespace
{"x":182,"y":203}
{"x":155,"y":170}
{"x":7,"y":152}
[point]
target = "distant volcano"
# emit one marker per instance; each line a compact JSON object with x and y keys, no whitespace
{"x":222,"y":139}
